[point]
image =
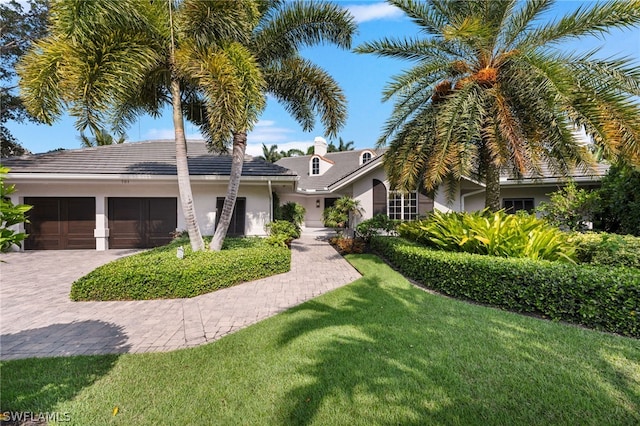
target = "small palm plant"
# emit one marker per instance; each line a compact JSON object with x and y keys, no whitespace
{"x":340,"y":214}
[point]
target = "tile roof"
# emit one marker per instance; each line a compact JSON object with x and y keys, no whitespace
{"x":345,"y":163}
{"x":139,"y":158}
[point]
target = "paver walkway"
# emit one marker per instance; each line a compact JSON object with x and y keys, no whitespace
{"x":37,"y":319}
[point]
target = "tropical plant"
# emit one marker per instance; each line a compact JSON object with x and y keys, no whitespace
{"x":569,"y":208}
{"x":292,"y":212}
{"x":491,"y":90}
{"x":304,"y":88}
{"x":342,"y":146}
{"x":101,"y":138}
{"x":618,"y":210}
{"x":10,"y":214}
{"x":340,"y":214}
{"x":379,"y":224}
{"x":109,"y":62}
{"x":270,"y":154}
{"x":491,"y":233}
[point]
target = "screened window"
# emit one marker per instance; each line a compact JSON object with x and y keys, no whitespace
{"x":366,"y":157}
{"x":315,"y":166}
{"x":512,"y":205}
{"x":403,"y":205}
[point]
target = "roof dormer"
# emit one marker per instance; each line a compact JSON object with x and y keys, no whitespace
{"x":318,"y":164}
{"x":366,"y":156}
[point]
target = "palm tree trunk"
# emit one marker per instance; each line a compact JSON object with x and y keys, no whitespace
{"x":237,"y":162}
{"x":182,"y":166}
{"x":492,"y":190}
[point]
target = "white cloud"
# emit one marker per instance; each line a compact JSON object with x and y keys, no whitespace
{"x":266,"y":132}
{"x":375,"y":11}
{"x":160,"y":134}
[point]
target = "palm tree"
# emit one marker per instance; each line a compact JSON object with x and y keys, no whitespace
{"x":293,"y":152}
{"x":304,"y":88}
{"x":271,"y":154}
{"x":344,"y":146}
{"x":112,"y":61}
{"x":491,"y":91}
{"x":101,"y":138}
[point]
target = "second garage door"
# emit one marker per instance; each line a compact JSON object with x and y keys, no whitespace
{"x":141,"y":222}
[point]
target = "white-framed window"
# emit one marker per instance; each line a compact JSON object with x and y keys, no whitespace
{"x":513,"y":205}
{"x":366,"y":157}
{"x":315,"y":166}
{"x":403,"y":205}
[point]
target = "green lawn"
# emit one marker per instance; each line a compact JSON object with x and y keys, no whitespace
{"x":378,"y":351}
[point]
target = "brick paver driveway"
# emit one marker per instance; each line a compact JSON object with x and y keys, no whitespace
{"x":37,"y":319}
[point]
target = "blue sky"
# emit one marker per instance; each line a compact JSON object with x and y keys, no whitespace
{"x":362,"y":77}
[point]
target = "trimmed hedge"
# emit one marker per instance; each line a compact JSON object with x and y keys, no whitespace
{"x":605,"y":249}
{"x":159,"y":274}
{"x":605,"y":299}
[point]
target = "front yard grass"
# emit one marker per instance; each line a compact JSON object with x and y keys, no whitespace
{"x":378,"y":351}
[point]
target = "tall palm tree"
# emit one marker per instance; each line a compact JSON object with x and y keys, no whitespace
{"x":491,"y":91}
{"x":109,"y":62}
{"x":304,"y":88}
{"x":271,"y":154}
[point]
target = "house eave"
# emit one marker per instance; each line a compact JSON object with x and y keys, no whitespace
{"x":66,"y":177}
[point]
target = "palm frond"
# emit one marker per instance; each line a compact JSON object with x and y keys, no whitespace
{"x":305,"y":88}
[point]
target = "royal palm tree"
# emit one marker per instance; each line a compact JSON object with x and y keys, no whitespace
{"x":304,"y":88}
{"x":491,"y":90}
{"x":109,"y":62}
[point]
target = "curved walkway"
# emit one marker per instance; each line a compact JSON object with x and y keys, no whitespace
{"x":37,"y":319}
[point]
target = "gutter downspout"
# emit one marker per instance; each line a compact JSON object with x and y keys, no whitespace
{"x":270,"y":201}
{"x":479,"y":191}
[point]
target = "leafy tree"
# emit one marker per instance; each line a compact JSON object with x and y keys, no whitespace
{"x":270,"y":154}
{"x":101,"y":138}
{"x":569,"y":208}
{"x":18,"y":29}
{"x":110,"y":61}
{"x":304,"y":88}
{"x":619,"y":208}
{"x":491,"y":90}
{"x":10,"y":214}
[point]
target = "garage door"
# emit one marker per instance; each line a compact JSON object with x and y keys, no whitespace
{"x":141,"y":222}
{"x":59,"y":223}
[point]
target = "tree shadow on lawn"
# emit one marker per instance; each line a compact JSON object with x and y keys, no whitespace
{"x":38,"y":385}
{"x":394,"y":354}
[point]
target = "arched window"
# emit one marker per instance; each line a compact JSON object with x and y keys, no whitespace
{"x":315,"y":166}
{"x":379,"y":198}
{"x":366,"y":157}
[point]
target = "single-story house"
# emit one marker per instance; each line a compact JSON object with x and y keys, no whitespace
{"x":325,"y":176}
{"x":126,"y":196}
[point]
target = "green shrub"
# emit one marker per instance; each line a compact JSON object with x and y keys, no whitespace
{"x":378,"y":224}
{"x":159,"y":274}
{"x":292,"y":212}
{"x":495,"y":234}
{"x":283,"y":227}
{"x":602,"y":298}
{"x":569,"y":208}
{"x":607,"y":249}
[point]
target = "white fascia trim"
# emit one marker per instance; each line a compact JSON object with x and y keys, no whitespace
{"x":49,"y":177}
{"x":373,"y":164}
{"x":551,"y":181}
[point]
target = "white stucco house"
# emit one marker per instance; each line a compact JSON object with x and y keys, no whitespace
{"x":126,"y":196}
{"x":360,"y":174}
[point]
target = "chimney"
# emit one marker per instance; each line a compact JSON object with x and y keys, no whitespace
{"x":319,"y":146}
